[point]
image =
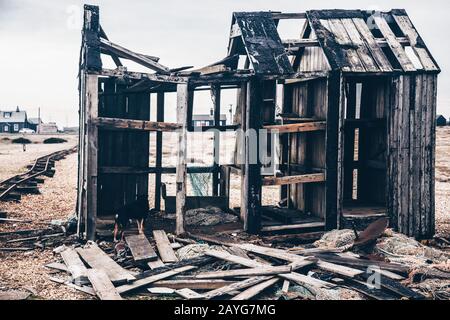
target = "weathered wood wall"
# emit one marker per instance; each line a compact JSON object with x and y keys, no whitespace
{"x":411,"y":154}
{"x":120,"y":148}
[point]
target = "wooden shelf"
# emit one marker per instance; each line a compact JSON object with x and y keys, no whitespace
{"x":303,"y":178}
{"x":297,"y":127}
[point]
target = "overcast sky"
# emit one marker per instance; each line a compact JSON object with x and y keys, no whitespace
{"x":40,"y":41}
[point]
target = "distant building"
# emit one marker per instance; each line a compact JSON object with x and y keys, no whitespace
{"x":46,"y":128}
{"x":34,"y":123}
{"x":201,"y":120}
{"x":13,"y":121}
{"x":440,"y":120}
{"x":71,"y":129}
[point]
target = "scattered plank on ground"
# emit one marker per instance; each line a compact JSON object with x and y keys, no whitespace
{"x":75,"y":266}
{"x":140,"y":248}
{"x":193,"y":284}
{"x":103,"y":287}
{"x":146,"y":281}
{"x":269,"y":270}
{"x":235,"y":286}
{"x":97,"y":259}
{"x":163,"y":244}
{"x":255,"y":290}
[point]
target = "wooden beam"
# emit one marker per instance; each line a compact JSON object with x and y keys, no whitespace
{"x":182,"y":118}
{"x":297,"y":127}
{"x":235,"y":286}
{"x":158,"y":161}
{"x":147,"y":61}
{"x":215,"y":94}
{"x":288,"y":15}
{"x":255,"y":290}
{"x":113,"y":56}
{"x":128,"y":124}
{"x":164,"y":249}
{"x":91,"y":107}
{"x":293,"y":226}
{"x":194,"y":284}
{"x":120,"y":73}
{"x":151,"y":279}
{"x":269,"y":270}
{"x":303,"y":178}
{"x":252,"y":174}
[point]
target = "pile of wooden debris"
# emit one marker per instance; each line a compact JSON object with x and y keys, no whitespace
{"x":192,"y":269}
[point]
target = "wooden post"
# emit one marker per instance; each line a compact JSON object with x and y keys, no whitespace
{"x":159,"y":151}
{"x":333,"y":149}
{"x":215,"y":92}
{"x":182,"y":118}
{"x":88,"y":136}
{"x":349,"y":143}
{"x":287,"y":108}
{"x":252,"y":177}
{"x":92,"y":158}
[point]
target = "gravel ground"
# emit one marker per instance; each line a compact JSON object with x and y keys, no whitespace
{"x":13,"y":159}
{"x":57,"y":201}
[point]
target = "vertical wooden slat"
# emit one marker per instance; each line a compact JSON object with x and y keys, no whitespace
{"x":182,"y":118}
{"x":159,"y":151}
{"x":335,"y":83}
{"x":92,"y":146}
{"x":215,"y":92}
{"x":253,"y":170}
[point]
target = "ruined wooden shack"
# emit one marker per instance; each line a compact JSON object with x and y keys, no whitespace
{"x":357,"y":93}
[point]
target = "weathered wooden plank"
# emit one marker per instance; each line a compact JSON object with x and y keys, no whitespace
{"x":393,"y":43}
{"x":97,"y":259}
{"x":297,"y":127}
{"x":151,"y":279}
{"x":296,"y":277}
{"x":166,"y":252}
{"x":74,"y":265}
{"x":128,"y":124}
{"x":103,"y":287}
{"x":303,"y":178}
{"x":373,"y":45}
{"x":122,"y":52}
{"x":343,"y":40}
{"x":262,"y":43}
{"x":361,"y":48}
{"x":182,"y":118}
{"x":202,"y":284}
{"x":158,"y":161}
{"x":141,"y":249}
{"x":91,"y":107}
{"x":269,"y":270}
{"x":235,"y":286}
{"x":189,"y":294}
{"x":255,"y":290}
{"x":293,"y":226}
{"x":416,"y":41}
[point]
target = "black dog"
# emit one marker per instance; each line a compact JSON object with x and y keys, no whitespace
{"x":137,"y":209}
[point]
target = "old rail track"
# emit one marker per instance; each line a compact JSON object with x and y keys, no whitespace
{"x":26,"y":183}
